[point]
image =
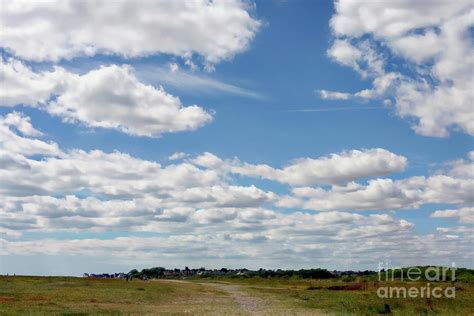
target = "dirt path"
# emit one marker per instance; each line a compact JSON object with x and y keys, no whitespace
{"x":228,"y":298}
{"x":251,"y":305}
{"x":247,"y":303}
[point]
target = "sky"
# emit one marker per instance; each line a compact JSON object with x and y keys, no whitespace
{"x":232,"y":133}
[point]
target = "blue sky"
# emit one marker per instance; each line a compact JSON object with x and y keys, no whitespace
{"x":260,"y":102}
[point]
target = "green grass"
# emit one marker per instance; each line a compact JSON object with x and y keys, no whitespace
{"x":78,"y":296}
{"x":307,"y":295}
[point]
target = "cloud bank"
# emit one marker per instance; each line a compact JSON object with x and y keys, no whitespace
{"x":199,"y":209}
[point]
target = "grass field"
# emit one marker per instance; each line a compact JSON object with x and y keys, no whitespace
{"x":79,"y":296}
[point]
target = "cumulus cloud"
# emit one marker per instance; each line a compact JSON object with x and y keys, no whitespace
{"x":21,"y":123}
{"x":384,"y":20}
{"x":345,"y":240}
{"x":453,"y":186}
{"x":15,"y":132}
{"x":278,"y":232}
{"x":382,"y":194}
{"x":336,"y":168}
{"x":207,"y":181}
{"x":106,"y":97}
{"x":362,"y":57}
{"x":345,"y":53}
{"x":464,"y":215}
{"x":131,"y":186}
{"x":462,"y":168}
{"x":377,"y":194}
{"x":438,"y":91}
{"x":112,"y":97}
{"x":20,"y":85}
{"x":203,"y":212}
{"x":438,"y":108}
{"x":52,"y":30}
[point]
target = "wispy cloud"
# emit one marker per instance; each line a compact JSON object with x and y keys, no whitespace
{"x":333,"y":109}
{"x":191,"y":82}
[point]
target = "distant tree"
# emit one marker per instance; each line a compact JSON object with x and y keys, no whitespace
{"x":153,"y":273}
{"x":314,"y":274}
{"x":134,"y":274}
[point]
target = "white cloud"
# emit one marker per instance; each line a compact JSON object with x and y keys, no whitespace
{"x":464,"y":215}
{"x":177,"y":156}
{"x":383,"y":194}
{"x":20,"y":85}
{"x":453,"y":186}
{"x":334,"y":95}
{"x":191,"y":82}
{"x":409,"y":46}
{"x":112,"y":97}
{"x":207,"y":181}
{"x":344,"y":239}
{"x":362,"y":57}
{"x":52,"y":30}
{"x":201,"y":212}
{"x":380,"y":86}
{"x":463,"y":168}
{"x":21,"y":123}
{"x":289,"y":230}
{"x":345,"y":53}
{"x":12,"y":144}
{"x":437,"y":108}
{"x":438,"y":91}
{"x":391,"y":20}
{"x":378,"y":194}
{"x":107,"y":97}
{"x":336,"y":168}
